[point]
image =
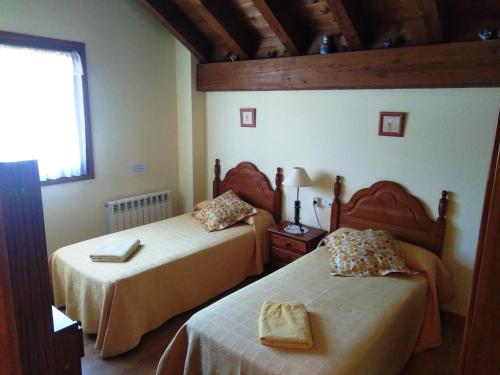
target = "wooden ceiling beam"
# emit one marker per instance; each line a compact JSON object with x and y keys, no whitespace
{"x":175,"y":21}
{"x":468,"y":64}
{"x":221,"y":17}
{"x":430,"y":16}
{"x":347,"y":15}
{"x":283,"y":25}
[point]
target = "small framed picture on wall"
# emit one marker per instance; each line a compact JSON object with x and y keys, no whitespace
{"x":247,"y":117}
{"x":391,"y":124}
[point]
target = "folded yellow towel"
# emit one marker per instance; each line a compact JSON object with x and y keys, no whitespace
{"x":115,"y":250}
{"x":285,"y":325}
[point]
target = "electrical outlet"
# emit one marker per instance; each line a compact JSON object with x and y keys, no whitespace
{"x":322,"y":202}
{"x":317,"y":201}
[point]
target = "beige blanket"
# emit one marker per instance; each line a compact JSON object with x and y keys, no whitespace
{"x":178,"y":267}
{"x":360,"y":325}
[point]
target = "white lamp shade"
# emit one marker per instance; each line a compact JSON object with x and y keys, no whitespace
{"x":298,"y":177}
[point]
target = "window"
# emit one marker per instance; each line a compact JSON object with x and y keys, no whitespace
{"x":44,"y":112}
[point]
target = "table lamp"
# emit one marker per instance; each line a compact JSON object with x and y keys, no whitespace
{"x":298,"y":178}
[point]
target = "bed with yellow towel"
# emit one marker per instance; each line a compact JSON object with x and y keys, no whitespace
{"x":342,"y":318}
{"x":285,"y":325}
{"x":360,"y":325}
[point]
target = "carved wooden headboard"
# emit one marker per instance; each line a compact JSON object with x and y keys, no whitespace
{"x":252,"y":186}
{"x":387,"y":205}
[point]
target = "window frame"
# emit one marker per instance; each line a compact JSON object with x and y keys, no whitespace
{"x":51,"y":44}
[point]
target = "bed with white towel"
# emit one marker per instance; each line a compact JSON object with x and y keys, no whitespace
{"x":359,"y":325}
{"x":115,"y":250}
{"x":177,"y":266}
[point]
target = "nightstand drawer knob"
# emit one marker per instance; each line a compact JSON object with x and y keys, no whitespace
{"x":284,"y":256}
{"x":288,"y":244}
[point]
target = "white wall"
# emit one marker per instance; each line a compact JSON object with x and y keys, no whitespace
{"x":184,"y":127}
{"x":191,"y":126}
{"x":447,"y":145}
{"x":131,"y":74}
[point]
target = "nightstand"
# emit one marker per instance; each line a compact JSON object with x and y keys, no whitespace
{"x":286,"y":247}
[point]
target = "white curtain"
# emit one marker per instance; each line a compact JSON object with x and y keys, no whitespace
{"x":41,"y":110}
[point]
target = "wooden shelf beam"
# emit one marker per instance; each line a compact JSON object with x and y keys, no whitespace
{"x":430,"y":16}
{"x":283,"y":25}
{"x":221,"y":18}
{"x":175,"y":21}
{"x":347,"y":15}
{"x":468,"y":64}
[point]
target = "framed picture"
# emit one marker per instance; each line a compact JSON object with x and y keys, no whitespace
{"x":247,"y":117}
{"x":391,"y":124}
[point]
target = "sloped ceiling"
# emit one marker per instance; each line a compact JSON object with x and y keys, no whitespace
{"x":257,"y":30}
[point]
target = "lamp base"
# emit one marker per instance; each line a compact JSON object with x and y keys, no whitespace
{"x":296,"y":229}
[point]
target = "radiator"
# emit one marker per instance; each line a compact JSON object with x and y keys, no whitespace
{"x":133,"y":211}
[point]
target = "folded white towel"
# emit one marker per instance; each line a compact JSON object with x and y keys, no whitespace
{"x":115,"y":250}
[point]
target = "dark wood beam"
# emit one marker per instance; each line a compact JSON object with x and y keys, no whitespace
{"x":174,"y":19}
{"x":222,"y":18}
{"x":283,"y":25}
{"x":469,"y":64}
{"x":430,"y":16}
{"x":347,"y":15}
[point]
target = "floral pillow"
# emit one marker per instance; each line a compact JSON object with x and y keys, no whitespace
{"x":223,"y":211}
{"x":364,"y":253}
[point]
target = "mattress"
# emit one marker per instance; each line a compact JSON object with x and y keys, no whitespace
{"x":360,"y":325}
{"x":178,"y":267}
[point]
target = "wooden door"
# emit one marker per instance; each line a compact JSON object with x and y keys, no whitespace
{"x":481,"y":345}
{"x":25,"y":290}
{"x":10,"y":362}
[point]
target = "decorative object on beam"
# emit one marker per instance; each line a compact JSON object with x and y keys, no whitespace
{"x":431,"y":66}
{"x":325,"y":47}
{"x":485,"y":35}
{"x":231,"y":57}
{"x":272,"y":54}
{"x":248,"y":117}
{"x":391,"y":124}
{"x":389,"y":43}
{"x":394,"y":42}
{"x":348,"y":15}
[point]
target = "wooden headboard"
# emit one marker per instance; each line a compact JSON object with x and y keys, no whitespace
{"x":388,"y":206}
{"x":252,"y":186}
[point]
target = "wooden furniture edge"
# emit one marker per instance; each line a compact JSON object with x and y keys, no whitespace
{"x":421,"y":230}
{"x":9,"y":354}
{"x":466,"y":64}
{"x":286,"y":247}
{"x":252,"y":186}
{"x":278,"y":229}
{"x":476,"y":354}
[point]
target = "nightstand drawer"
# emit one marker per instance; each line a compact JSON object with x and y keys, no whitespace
{"x":283,"y":256}
{"x":288,"y":244}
